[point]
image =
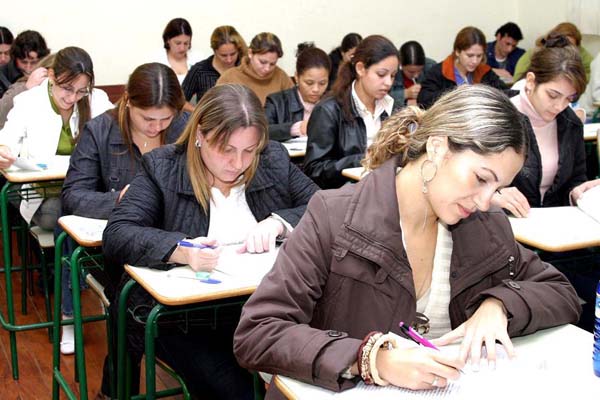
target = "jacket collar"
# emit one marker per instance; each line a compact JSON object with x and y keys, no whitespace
{"x":448,"y":70}
{"x":295,"y":102}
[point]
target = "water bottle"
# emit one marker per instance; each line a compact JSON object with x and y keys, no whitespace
{"x":596,"y":353}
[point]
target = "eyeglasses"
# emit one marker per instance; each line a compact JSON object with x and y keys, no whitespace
{"x":421,"y":324}
{"x":70,"y":90}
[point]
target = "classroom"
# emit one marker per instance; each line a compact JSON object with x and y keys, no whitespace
{"x":276,"y":200}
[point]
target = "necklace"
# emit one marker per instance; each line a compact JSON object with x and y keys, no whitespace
{"x":145,"y":144}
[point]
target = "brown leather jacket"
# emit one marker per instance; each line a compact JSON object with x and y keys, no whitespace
{"x":344,"y":273}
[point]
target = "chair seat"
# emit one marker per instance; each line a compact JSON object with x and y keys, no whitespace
{"x":44,"y":238}
{"x":97,"y":288}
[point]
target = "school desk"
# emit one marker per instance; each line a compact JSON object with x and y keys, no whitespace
{"x":552,"y":364}
{"x":355,"y":173}
{"x":87,"y":233}
{"x":556,"y":229}
{"x":296,"y":147}
{"x":238,"y":276}
{"x":48,"y":179}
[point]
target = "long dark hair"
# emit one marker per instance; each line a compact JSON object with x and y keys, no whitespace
{"x":150,"y":85}
{"x":370,"y":51}
{"x":69,"y":63}
{"x":176,"y":27}
{"x":308,"y":56}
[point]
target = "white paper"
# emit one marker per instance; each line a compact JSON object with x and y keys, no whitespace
{"x":28,"y":165}
{"x":589,"y":202}
{"x":86,"y":229}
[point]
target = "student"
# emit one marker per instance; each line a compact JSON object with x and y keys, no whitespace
{"x":22,"y":84}
{"x":228,"y":49}
{"x":177,"y":43}
{"x":413,"y":66}
{"x":27,"y":49}
{"x":288,"y":111}
{"x":342,"y":125}
{"x":6,"y":39}
{"x":398,"y":247}
{"x":566,"y":29}
{"x":343,"y":53}
{"x":222,"y":182}
{"x":503,"y":53}
{"x":466,"y":65}
{"x":555,"y":171}
{"x":46,"y":120}
{"x":259,"y":70}
{"x":591,"y":97}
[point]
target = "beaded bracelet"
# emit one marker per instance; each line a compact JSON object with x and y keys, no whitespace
{"x":386,"y":342}
{"x":363,"y":356}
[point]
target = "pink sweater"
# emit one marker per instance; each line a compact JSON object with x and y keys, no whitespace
{"x":547,"y":139}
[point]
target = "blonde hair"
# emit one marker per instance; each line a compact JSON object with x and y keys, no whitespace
{"x":474,"y":117}
{"x":221,"y":111}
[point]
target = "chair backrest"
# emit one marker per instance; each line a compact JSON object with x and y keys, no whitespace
{"x":114,"y":92}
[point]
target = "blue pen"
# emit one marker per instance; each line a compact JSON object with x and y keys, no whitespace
{"x":185,"y":243}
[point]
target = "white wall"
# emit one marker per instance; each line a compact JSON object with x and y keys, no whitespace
{"x":119,"y":35}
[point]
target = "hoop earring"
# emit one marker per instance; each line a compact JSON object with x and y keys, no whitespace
{"x":197,"y":143}
{"x":427,"y":177}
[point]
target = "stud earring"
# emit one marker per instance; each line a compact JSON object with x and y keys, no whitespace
{"x":197,"y":143}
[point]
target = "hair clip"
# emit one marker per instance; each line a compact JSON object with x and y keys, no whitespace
{"x":412,"y":127}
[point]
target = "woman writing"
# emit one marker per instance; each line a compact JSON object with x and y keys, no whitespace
{"x":177,"y":43}
{"x":413,"y":66}
{"x":221,"y":183}
{"x":398,"y":247}
{"x":342,"y":125}
{"x":46,"y":120}
{"x":228,"y":49}
{"x":342,"y":54}
{"x":465,"y":66}
{"x":259,"y":70}
{"x":288,"y":111}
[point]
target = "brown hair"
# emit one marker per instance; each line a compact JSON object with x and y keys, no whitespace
{"x":472,"y":117}
{"x":558,"y":58}
{"x":221,"y":111}
{"x":371,"y":50}
{"x":467,"y":37}
{"x":308,"y":56}
{"x":227,"y":34}
{"x":266,"y":42}
{"x":563,"y":29}
{"x":176,"y":27}
{"x":69,"y":63}
{"x":150,"y":85}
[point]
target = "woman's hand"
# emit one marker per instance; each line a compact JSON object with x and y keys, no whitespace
{"x":6,"y":157}
{"x":122,"y":193}
{"x":412,"y":92}
{"x":578,"y":191}
{"x":198,"y":259}
{"x":488,"y":324}
{"x":36,"y":77}
{"x":303,"y":126}
{"x":262,"y":237}
{"x":513,"y":200}
{"x":418,"y":367}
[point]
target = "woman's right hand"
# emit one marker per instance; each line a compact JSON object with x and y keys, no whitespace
{"x":418,"y":367}
{"x":412,"y":92}
{"x":6,"y":157}
{"x":513,"y":200}
{"x":36,"y":77}
{"x":198,"y":259}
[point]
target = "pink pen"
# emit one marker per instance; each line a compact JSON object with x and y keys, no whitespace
{"x":415,"y":337}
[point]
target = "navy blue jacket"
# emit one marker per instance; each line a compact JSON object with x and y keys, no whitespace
{"x":101,"y":166}
{"x":511,"y":59}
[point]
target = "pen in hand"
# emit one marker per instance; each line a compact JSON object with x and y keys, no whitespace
{"x":185,"y":243}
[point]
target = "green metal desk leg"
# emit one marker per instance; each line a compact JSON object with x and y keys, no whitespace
{"x":7,"y":273}
{"x":78,"y":323}
{"x":121,"y":339}
{"x":57,"y":314}
{"x":151,"y":326}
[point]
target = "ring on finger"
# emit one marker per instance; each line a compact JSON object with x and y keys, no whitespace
{"x":435,"y":380}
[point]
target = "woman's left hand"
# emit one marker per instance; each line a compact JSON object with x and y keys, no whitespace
{"x":578,"y":191}
{"x":262,"y":237}
{"x":488,"y":324}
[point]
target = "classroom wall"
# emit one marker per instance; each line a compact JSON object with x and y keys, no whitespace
{"x":119,"y":35}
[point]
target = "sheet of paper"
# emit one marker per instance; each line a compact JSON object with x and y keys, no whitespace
{"x":589,"y":203}
{"x":28,"y":165}
{"x":87,"y":229}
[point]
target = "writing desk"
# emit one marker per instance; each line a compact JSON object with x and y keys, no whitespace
{"x":296,"y":147}
{"x":550,"y":363}
{"x":239,"y":274}
{"x":87,"y":233}
{"x":556,"y":229}
{"x":12,"y":190}
{"x":356,"y":173}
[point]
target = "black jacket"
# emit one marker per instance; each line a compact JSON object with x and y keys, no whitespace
{"x":101,"y":166}
{"x":283,"y":109}
{"x":440,"y":79}
{"x":334,"y":143}
{"x":9,"y":74}
{"x":571,"y":164}
{"x":160,"y":208}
